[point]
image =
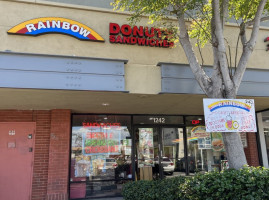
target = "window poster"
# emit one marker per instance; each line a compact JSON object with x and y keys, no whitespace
{"x":203,"y":137}
{"x":145,"y":148}
{"x":204,"y":143}
{"x":90,"y":165}
{"x":217,"y":141}
{"x":82,"y":167}
{"x":127,"y":146}
{"x":101,"y":147}
{"x":96,"y":141}
{"x":200,"y":132}
{"x":93,"y":145}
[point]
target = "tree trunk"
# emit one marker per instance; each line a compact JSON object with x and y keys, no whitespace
{"x":233,"y":146}
{"x":234,"y":150}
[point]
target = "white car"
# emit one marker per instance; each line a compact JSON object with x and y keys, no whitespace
{"x":168,"y":166}
{"x":110,"y":163}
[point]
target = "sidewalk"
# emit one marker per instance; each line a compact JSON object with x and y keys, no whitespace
{"x":110,"y":198}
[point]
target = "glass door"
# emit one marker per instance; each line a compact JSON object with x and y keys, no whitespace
{"x":159,"y":147}
{"x":173,"y":161}
{"x":147,"y":153}
{"x":159,"y":153}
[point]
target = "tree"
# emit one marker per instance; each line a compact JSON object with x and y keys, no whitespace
{"x":207,"y":24}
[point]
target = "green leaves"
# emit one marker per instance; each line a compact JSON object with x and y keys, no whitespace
{"x":166,"y":189}
{"x":156,"y":9}
{"x":243,"y":9}
{"x":199,"y":12}
{"x":245,"y":184}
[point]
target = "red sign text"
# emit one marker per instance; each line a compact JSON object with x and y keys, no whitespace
{"x":143,"y":36}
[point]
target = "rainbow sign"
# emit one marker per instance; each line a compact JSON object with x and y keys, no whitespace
{"x":229,"y":103}
{"x":230,"y":115}
{"x":65,"y":26}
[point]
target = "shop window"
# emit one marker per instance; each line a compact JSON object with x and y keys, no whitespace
{"x":206,"y":151}
{"x":100,"y":155}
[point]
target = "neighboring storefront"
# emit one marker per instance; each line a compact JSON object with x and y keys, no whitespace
{"x":262,"y":120}
{"x":98,"y":102}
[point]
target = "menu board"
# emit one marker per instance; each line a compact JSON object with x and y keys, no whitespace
{"x":145,"y":148}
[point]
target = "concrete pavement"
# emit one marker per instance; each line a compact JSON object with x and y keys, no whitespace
{"x":109,"y":198}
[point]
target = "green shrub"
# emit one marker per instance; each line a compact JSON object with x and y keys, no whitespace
{"x":166,"y":189}
{"x":249,"y":183}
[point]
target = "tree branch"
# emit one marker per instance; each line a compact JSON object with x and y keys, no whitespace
{"x":236,"y":51}
{"x":250,"y":23}
{"x":207,"y":35}
{"x":203,"y":80}
{"x":201,"y":55}
{"x":248,"y":47}
{"x":225,"y":4}
{"x":242,"y":33}
{"x":256,"y":24}
{"x":222,"y":50}
{"x":216,"y":74}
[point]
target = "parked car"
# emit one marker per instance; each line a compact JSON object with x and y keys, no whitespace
{"x":110,"y":163}
{"x":167,"y":164}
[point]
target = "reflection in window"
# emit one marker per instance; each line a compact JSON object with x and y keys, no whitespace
{"x":205,"y":150}
{"x":173,"y":148}
{"x":101,"y":155}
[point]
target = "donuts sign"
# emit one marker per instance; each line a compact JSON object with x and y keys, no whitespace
{"x":230,"y":115}
{"x":142,"y":36}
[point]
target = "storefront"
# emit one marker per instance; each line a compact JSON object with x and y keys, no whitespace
{"x":110,"y":150}
{"x":98,"y":102}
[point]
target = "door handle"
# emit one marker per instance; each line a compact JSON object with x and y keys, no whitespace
{"x":160,"y":150}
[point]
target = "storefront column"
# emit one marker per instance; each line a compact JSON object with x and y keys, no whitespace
{"x":41,"y":156}
{"x":252,"y":150}
{"x":59,"y":155}
{"x":262,"y":140}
